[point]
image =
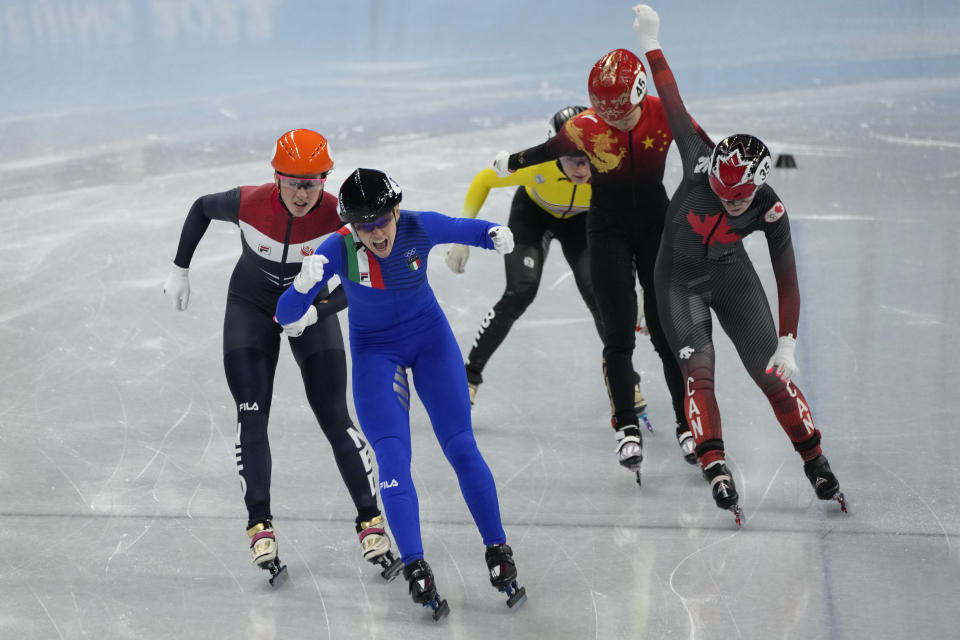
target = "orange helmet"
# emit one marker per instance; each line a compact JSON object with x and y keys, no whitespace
{"x":302,"y":152}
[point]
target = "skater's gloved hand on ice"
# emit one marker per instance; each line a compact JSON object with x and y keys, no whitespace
{"x":646,"y":24}
{"x":457,"y":256}
{"x":783,"y":363}
{"x":500,"y":164}
{"x":502,"y":239}
{"x":295,"y":329}
{"x":177,"y":287}
{"x":311,"y":272}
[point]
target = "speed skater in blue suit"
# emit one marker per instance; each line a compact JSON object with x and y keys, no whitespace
{"x":396,"y":326}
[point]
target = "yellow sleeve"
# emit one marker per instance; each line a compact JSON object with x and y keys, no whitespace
{"x":481,"y":185}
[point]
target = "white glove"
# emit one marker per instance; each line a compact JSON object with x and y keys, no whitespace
{"x":502,"y":239}
{"x":500,"y":164}
{"x":783,"y":359}
{"x":641,"y":317}
{"x":311,"y":272}
{"x":646,"y":24}
{"x":294,"y":329}
{"x":457,"y":256}
{"x":177,"y":287}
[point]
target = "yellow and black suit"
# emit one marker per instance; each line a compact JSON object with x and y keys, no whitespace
{"x":548,"y":206}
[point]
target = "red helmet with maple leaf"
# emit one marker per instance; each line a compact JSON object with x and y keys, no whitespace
{"x":616,"y":84}
{"x":739,"y":164}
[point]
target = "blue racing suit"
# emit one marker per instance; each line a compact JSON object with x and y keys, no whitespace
{"x":396,"y":325}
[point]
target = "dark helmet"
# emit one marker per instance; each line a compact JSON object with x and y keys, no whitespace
{"x":738,"y":165}
{"x":368,"y":194}
{"x":561,"y":117}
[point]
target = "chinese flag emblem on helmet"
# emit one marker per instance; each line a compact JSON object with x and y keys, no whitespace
{"x":302,"y":152}
{"x":616,"y":84}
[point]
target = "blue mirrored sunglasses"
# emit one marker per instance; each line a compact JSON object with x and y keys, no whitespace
{"x":380,"y":223}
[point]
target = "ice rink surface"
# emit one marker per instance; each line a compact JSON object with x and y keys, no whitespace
{"x":120,"y":503}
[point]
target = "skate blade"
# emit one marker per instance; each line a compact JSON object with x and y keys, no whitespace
{"x":278,"y":573}
{"x":737,"y":514}
{"x":440,"y":608}
{"x":842,"y":500}
{"x":517,"y":595}
{"x":391,"y":566}
{"x":646,"y":421}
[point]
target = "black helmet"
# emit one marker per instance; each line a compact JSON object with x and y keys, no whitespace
{"x":368,"y":194}
{"x":560,"y":117}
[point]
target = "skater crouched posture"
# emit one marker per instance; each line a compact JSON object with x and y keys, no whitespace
{"x":702,"y":265}
{"x":280,"y":222}
{"x":396,"y":324}
{"x":551,"y":204}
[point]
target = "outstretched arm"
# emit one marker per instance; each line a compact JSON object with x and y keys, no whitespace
{"x":559,"y":145}
{"x":487,"y":179}
{"x":217,"y":206}
{"x":686,"y":131}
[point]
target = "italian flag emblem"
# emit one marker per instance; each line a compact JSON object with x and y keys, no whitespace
{"x":362,"y":267}
{"x":413,"y":263}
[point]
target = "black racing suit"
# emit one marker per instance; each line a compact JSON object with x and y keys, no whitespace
{"x":704,"y":266}
{"x":623,"y":234}
{"x":274,"y":243}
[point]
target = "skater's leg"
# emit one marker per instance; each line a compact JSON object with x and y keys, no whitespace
{"x":439,"y":377}
{"x":250,"y":377}
{"x":684,"y":316}
{"x":668,"y":357}
{"x":381,"y":396}
{"x":744,"y":313}
{"x":323,"y":367}
{"x":523,"y":268}
{"x":572,"y":236}
{"x":613,"y":275}
{"x":251,"y":346}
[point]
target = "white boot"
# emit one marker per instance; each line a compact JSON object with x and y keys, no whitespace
{"x":263,"y":543}
{"x":374,"y":541}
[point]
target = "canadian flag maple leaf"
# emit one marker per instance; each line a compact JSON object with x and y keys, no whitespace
{"x":722,"y":232}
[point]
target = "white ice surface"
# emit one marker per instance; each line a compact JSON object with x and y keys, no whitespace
{"x":121,"y":510}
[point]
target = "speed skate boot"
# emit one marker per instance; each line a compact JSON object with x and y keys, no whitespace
{"x":724,"y":491}
{"x":503,"y":573}
{"x":474,"y":380}
{"x":473,"y":391}
{"x":824,"y":483}
{"x":629,"y":447}
{"x":375,"y":544}
{"x":423,"y":590}
{"x":263,"y":551}
{"x":687,"y":444}
{"x":640,"y":403}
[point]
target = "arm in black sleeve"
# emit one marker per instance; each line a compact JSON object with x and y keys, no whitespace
{"x":332,"y":304}
{"x":685,"y":129}
{"x":552,"y":149}
{"x":216,"y":206}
